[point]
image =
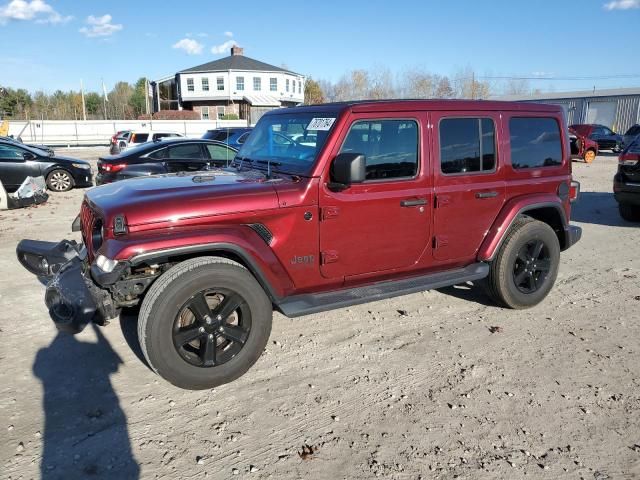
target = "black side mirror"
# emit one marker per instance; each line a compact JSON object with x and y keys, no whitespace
{"x":28,"y":156}
{"x":347,"y":168}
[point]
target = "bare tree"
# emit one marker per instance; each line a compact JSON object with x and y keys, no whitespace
{"x":517,"y":86}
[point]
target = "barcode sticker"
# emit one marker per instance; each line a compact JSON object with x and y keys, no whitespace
{"x":320,"y":123}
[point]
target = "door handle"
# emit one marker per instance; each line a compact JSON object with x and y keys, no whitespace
{"x":486,"y":194}
{"x":414,"y":202}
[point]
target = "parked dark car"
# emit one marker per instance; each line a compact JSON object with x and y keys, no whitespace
{"x":18,"y":140}
{"x":231,"y":136}
{"x":18,"y":162}
{"x":169,"y":155}
{"x":630,"y":135}
{"x":626,"y":182}
{"x":607,"y":139}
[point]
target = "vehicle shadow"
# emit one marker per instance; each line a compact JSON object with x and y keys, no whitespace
{"x":129,"y":328}
{"x":599,"y":208}
{"x":469,"y":291}
{"x":85,"y":429}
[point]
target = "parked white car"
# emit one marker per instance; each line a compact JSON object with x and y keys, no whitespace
{"x":141,"y":136}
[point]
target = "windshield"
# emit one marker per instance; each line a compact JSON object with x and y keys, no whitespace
{"x":289,"y":142}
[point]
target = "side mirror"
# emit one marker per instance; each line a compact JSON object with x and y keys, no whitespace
{"x":28,"y":156}
{"x":347,"y":168}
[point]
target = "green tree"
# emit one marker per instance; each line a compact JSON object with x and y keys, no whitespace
{"x":138,"y":99}
{"x":313,"y":93}
{"x":93,"y":103}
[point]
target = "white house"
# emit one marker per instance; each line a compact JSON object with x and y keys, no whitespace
{"x":232,"y":85}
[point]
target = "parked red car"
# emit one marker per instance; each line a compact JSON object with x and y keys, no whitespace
{"x":606,"y":138}
{"x":382,"y":198}
{"x":582,"y":146}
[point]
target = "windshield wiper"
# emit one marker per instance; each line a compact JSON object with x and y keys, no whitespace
{"x":241,"y":160}
{"x":269,"y":162}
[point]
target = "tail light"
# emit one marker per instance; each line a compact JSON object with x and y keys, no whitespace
{"x":574,"y":191}
{"x":113,"y":167}
{"x":628,"y":159}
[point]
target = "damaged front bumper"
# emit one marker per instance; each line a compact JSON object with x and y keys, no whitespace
{"x":72,"y":298}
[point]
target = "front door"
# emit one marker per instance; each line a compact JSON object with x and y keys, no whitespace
{"x":14,"y":167}
{"x":469,"y":183}
{"x":381,"y":224}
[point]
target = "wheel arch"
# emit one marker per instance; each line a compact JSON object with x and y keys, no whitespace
{"x":549,"y":212}
{"x":225,"y":250}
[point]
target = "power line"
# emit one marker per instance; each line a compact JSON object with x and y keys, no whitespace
{"x":596,"y":77}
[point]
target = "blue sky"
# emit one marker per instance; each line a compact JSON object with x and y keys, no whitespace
{"x":51,"y":44}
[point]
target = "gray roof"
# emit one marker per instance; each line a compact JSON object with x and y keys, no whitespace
{"x":608,"y":92}
{"x":235,"y":62}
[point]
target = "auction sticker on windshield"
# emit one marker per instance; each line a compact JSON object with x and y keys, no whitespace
{"x":320,"y":123}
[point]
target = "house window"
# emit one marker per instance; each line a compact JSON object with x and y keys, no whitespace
{"x":273,"y":84}
{"x":220,"y":83}
{"x":204,"y":111}
{"x":190,"y":87}
{"x":220,"y":112}
{"x":205,"y":84}
{"x":299,"y":86}
{"x":294,"y":86}
{"x":286,"y":85}
{"x":239,"y":83}
{"x":257,"y":84}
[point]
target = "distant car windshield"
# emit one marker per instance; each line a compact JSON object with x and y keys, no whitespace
{"x":290,"y":142}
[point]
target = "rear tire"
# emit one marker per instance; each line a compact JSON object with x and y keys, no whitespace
{"x":630,"y":213}
{"x":526,"y":265}
{"x":204,"y":323}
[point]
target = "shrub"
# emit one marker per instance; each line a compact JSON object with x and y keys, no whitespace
{"x":173,"y":115}
{"x":230,"y":116}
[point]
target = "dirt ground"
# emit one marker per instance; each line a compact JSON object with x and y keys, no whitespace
{"x":412,"y":387}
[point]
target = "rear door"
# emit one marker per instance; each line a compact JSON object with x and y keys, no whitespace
{"x":14,"y":167}
{"x":186,"y":157}
{"x":469,"y":183}
{"x":220,"y":155}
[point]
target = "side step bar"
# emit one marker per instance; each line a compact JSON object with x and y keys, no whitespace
{"x":305,"y":304}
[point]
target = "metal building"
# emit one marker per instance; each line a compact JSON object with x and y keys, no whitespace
{"x":617,"y":108}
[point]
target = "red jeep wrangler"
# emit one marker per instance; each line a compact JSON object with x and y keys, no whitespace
{"x":323,"y":207}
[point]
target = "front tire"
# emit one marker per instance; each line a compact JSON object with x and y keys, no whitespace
{"x":630,"y":213}
{"x":204,"y":323}
{"x":526,"y":265}
{"x":60,"y":180}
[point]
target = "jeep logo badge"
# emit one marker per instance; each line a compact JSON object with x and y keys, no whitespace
{"x":296,"y":260}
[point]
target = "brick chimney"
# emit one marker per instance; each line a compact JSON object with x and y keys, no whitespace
{"x":236,"y":50}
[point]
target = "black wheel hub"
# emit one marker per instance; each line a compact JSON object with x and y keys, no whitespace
{"x":211,"y":327}
{"x":532,"y":266}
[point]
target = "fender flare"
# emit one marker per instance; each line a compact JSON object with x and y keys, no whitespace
{"x":496,"y":234}
{"x":274,"y":291}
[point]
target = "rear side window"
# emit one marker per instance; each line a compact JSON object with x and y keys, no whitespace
{"x":467,"y":145}
{"x":243,"y":137}
{"x":390,"y":147}
{"x":140,"y":137}
{"x":535,"y":142}
{"x":190,"y":150}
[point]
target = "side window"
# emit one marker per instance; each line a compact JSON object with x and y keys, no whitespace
{"x":535,"y":142}
{"x":189,"y":150}
{"x":8,"y":152}
{"x":390,"y":147}
{"x":220,"y":153}
{"x":467,"y":145}
{"x":159,"y":154}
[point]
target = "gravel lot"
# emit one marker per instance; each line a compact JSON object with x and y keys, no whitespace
{"x":416,"y":386}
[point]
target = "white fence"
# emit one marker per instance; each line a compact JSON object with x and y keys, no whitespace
{"x":99,"y":132}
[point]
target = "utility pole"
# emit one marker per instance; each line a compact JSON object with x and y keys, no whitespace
{"x":104,"y":99}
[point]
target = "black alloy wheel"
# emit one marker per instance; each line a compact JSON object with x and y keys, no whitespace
{"x":212,"y":327}
{"x":532,"y":266}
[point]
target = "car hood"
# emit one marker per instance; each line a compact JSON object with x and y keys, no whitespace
{"x":183,"y":199}
{"x":63,"y":159}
